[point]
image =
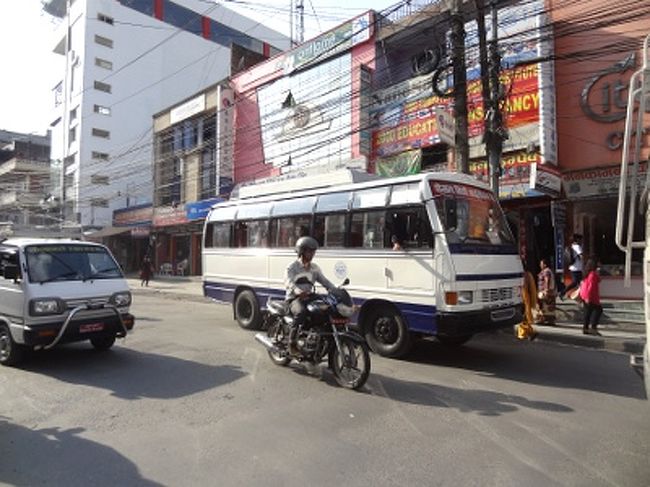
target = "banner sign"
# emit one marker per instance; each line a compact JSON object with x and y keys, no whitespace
{"x":599,"y":182}
{"x":405,"y":114}
{"x":515,"y":178}
{"x":133,"y":216}
{"x":140,"y":232}
{"x":545,"y":179}
{"x":168,"y":215}
{"x":399,"y":165}
{"x":329,"y":44}
{"x":198,"y":210}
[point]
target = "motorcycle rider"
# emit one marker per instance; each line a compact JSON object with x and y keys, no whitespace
{"x":301,"y":276}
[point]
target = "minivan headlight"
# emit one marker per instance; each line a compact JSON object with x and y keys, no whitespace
{"x":46,"y":306}
{"x":121,"y":299}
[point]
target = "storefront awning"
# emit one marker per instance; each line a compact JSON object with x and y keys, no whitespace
{"x":107,"y":232}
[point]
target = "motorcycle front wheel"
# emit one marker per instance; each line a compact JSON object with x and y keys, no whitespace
{"x":351,"y":364}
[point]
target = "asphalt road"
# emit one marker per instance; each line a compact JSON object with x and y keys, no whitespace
{"x":191,"y":399}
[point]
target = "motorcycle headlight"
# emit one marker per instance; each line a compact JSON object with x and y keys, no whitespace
{"x":47,"y":306}
{"x":345,"y":310}
{"x":121,"y":299}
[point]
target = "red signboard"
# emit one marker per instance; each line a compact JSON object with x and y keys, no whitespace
{"x":417,"y":125}
{"x":165,"y":216}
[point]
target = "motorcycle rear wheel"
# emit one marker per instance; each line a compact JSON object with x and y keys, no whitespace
{"x":277,"y":356}
{"x":351,"y":365}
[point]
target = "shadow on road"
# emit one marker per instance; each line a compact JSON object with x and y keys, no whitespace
{"x":536,"y":363}
{"x":129,"y":374}
{"x":61,"y":457}
{"x":484,"y":402}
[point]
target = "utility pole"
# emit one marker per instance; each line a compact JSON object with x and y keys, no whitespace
{"x":496,"y":130}
{"x":460,"y":88}
{"x":485,"y":78}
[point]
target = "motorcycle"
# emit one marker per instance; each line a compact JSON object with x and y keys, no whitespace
{"x":324,"y":334}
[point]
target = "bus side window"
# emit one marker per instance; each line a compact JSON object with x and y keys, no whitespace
{"x":258,"y":233}
{"x":410,"y":227}
{"x":288,"y":230}
{"x":241,"y":234}
{"x":329,"y":230}
{"x":221,"y":234}
{"x":209,"y":236}
{"x":367,"y":229}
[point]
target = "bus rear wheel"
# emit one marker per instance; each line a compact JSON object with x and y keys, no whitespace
{"x":247,"y":310}
{"x":386,"y":332}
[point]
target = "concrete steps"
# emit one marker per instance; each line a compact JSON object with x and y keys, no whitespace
{"x":619,"y":312}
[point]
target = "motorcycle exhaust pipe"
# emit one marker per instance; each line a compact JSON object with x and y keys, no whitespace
{"x":266,"y":341}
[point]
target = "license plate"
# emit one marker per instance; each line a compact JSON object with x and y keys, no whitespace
{"x":90,"y":327}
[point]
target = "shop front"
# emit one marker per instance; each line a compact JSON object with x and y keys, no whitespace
{"x":593,"y":201}
{"x":178,"y":232}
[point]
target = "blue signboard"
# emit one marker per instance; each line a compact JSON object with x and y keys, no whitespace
{"x":198,"y":210}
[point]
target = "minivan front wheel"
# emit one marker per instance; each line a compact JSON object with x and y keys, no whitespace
{"x":10,"y":352}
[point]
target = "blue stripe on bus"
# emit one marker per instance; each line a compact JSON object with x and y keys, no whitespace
{"x":419,"y":317}
{"x":488,"y":277}
{"x":465,"y":248}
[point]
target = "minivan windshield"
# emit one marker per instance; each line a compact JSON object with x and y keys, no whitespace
{"x":470,"y":215}
{"x":69,"y":262}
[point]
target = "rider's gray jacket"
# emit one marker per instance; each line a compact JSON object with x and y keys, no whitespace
{"x":311,"y":271}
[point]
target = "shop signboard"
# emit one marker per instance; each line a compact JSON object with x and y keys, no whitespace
{"x":140,"y":232}
{"x":598,"y":182}
{"x":515,"y":178}
{"x":401,"y":164}
{"x":330,"y":43}
{"x":198,"y":210}
{"x":133,"y":216}
{"x":164,"y":216}
{"x":405,"y":115}
{"x":545,"y":179}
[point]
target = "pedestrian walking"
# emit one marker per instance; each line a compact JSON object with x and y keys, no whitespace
{"x":525,"y":330}
{"x":146,"y":271}
{"x":546,"y":293}
{"x":573,"y":258}
{"x":590,"y":295}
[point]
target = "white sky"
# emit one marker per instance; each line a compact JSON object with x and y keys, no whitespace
{"x":28,"y":64}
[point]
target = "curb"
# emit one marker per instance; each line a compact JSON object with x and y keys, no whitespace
{"x":569,"y":334}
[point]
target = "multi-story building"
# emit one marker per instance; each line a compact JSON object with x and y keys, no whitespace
{"x":125,"y":61}
{"x":24,"y":180}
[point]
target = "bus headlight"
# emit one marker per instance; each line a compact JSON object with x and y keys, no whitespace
{"x":48,"y":306}
{"x":459,"y":297}
{"x":465,"y":297}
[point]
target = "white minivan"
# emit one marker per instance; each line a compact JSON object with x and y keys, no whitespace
{"x":59,"y":291}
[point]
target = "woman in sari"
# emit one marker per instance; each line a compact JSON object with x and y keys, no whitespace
{"x":525,"y":330}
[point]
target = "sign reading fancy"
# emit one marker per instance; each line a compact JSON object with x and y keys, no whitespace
{"x":411,"y":122}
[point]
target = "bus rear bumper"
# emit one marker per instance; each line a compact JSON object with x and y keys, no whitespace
{"x":471,"y":322}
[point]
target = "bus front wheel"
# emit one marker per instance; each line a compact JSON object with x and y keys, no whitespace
{"x":247,"y":310}
{"x":387,"y":333}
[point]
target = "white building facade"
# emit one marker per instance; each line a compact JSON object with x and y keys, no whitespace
{"x":125,"y":61}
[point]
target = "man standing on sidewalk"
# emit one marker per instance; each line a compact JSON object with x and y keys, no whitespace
{"x":575,"y":263}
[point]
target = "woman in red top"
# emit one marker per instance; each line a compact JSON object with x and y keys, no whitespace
{"x":590,"y":294}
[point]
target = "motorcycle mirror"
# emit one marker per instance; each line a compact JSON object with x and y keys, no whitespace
{"x":346,"y":282}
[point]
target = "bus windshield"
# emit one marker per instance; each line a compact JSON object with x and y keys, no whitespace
{"x":46,"y":263}
{"x":470,"y":215}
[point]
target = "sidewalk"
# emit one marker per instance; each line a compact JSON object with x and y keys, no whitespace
{"x":620,"y":336}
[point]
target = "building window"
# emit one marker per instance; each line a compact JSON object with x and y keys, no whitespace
{"x":99,"y":179}
{"x":99,"y":202}
{"x":103,"y":41}
{"x":101,"y":110}
{"x":72,"y":135}
{"x":105,"y":87}
{"x":73,"y":114}
{"x":105,"y":18}
{"x":100,"y":156}
{"x":68,"y":161}
{"x":103,"y":63}
{"x":104,"y":134}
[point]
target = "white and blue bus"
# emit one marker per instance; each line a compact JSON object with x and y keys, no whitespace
{"x":457,"y":273}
